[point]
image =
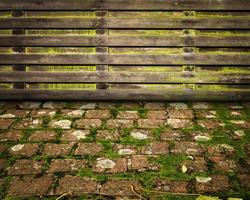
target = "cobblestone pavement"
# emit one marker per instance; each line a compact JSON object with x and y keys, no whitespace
{"x":132,"y":150}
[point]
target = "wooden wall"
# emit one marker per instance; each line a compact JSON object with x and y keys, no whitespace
{"x":176,"y":50}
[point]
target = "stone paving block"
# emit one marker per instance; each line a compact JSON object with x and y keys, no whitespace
{"x":171,"y":135}
{"x":29,"y":123}
{"x":211,"y":124}
{"x":43,"y":135}
{"x":157,"y":114}
{"x":120,"y":188}
{"x":128,"y":115}
{"x":178,"y":105}
{"x":57,"y":149}
{"x":150,"y":123}
{"x":156,"y":148}
{"x":188,"y":148}
{"x":73,"y":135}
{"x":105,"y":165}
{"x":244,"y":181}
{"x":3,"y":163}
{"x":154,"y":105}
{"x":66,"y":165}
{"x":195,"y":164}
{"x":180,"y":114}
{"x":88,"y":149}
{"x":222,"y":163}
{"x":25,"y":150}
{"x":97,"y":114}
{"x":88,"y":123}
{"x":142,"y":163}
{"x":120,"y":123}
{"x":29,"y":186}
{"x":108,"y":135}
{"x":54,"y":105}
{"x":61,"y":124}
{"x":141,"y":134}
{"x":6,"y":123}
{"x":179,"y":123}
{"x":165,"y":185}
{"x":72,"y":113}
{"x":26,"y":167}
{"x":76,"y":185}
{"x":30,"y":105}
{"x":14,"y":114}
{"x":10,"y":135}
{"x":218,"y":183}
{"x":43,"y":113}
{"x":207,"y":114}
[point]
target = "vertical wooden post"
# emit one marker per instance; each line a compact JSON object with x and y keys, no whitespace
{"x":189,"y":50}
{"x":17,"y":50}
{"x":102,"y":50}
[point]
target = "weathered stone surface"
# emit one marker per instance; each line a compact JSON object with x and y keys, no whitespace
{"x":14,"y":114}
{"x":197,"y":164}
{"x":97,"y":114}
{"x":241,"y":123}
{"x":244,"y":181}
{"x":57,"y":149}
{"x":88,"y":123}
{"x":6,"y":123}
{"x":88,"y":149}
{"x":66,"y":165}
{"x":120,"y":123}
{"x":188,"y":148}
{"x":106,"y":105}
{"x":178,"y":105}
{"x":211,"y":124}
{"x":105,"y":165}
{"x":61,"y":124}
{"x":156,"y":148}
{"x":157,"y":114}
{"x":53,"y":105}
{"x":216,"y":184}
{"x":29,"y":105}
{"x":171,"y":135}
{"x":131,"y":105}
{"x":72,"y":113}
{"x":76,"y":185}
{"x":74,"y":135}
{"x":43,"y":113}
{"x":86,"y":106}
{"x":3,"y":164}
{"x":142,"y":163}
{"x":11,"y":135}
{"x":29,"y":123}
{"x":39,"y":136}
{"x":150,"y":123}
{"x":201,"y":105}
{"x":25,"y":150}
{"x":164,"y":185}
{"x":29,"y":186}
{"x":208,"y":114}
{"x":154,"y":106}
{"x":180,"y":114}
{"x":107,"y":135}
{"x":179,"y":123}
{"x":222,"y":163}
{"x":119,"y":188}
{"x":26,"y":167}
{"x":125,"y":150}
{"x":141,"y":134}
{"x":128,"y":115}
{"x":220,"y":150}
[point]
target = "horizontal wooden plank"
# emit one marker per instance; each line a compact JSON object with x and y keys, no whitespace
{"x":124,"y":77}
{"x":127,"y":59}
{"x":182,"y":95}
{"x":133,"y":23}
{"x":141,"y":41}
{"x":125,"y":5}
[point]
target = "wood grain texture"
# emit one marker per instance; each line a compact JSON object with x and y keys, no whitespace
{"x":125,"y":5}
{"x":127,"y":23}
{"x":134,"y":41}
{"x":141,"y":95}
{"x":127,"y":59}
{"x":125,"y":77}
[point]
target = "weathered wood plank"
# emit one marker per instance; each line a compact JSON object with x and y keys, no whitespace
{"x":141,"y":41}
{"x":124,"y":77}
{"x":176,"y":95}
{"x":125,"y":5}
{"x":138,"y":23}
{"x":128,"y":59}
